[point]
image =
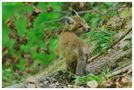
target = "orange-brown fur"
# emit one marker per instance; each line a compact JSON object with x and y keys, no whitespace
{"x":72,"y":48}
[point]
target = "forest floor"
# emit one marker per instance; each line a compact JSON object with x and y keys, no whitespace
{"x":63,"y":79}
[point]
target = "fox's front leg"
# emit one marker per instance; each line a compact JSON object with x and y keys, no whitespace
{"x":72,"y":66}
{"x":81,"y":67}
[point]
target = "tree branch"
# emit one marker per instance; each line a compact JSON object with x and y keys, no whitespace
{"x":119,"y":71}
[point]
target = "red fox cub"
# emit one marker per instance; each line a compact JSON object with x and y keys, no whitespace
{"x":71,"y":47}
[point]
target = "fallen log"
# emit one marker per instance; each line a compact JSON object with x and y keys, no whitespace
{"x":110,"y":60}
{"x":117,"y":38}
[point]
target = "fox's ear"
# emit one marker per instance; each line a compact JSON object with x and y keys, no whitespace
{"x":68,"y":20}
{"x":74,"y":13}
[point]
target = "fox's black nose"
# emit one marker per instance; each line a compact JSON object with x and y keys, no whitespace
{"x":86,"y":29}
{"x":89,"y":29}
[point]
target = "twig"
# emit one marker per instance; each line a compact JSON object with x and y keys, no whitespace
{"x":119,"y":71}
{"x":56,"y":11}
{"x":86,"y":11}
{"x":122,"y":36}
{"x":96,"y":56}
{"x":59,"y":19}
{"x":80,"y":12}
